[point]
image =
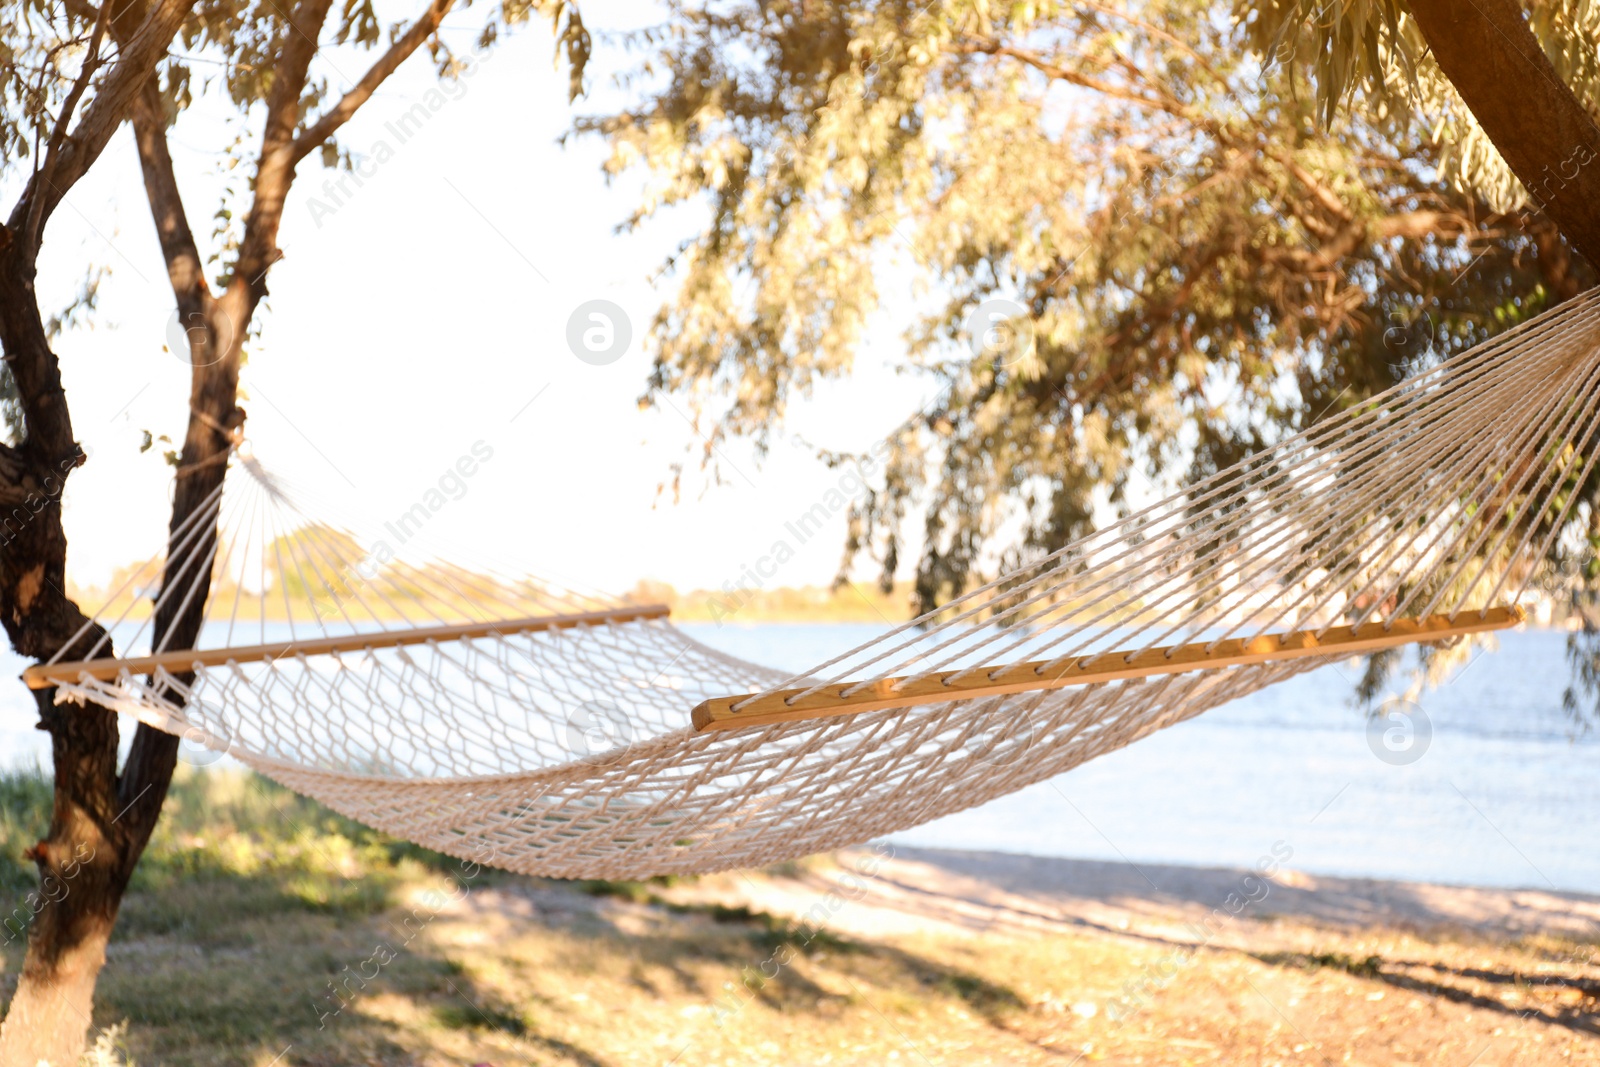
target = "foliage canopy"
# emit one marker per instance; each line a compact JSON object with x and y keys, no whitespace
{"x":1195,"y":256}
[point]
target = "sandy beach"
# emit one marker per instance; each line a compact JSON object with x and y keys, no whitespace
{"x":263,"y":930}
{"x":926,"y":890}
{"x":1069,"y":960}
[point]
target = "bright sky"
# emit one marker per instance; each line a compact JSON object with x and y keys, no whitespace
{"x":428,"y":311}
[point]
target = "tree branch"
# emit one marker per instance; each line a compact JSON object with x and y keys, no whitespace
{"x":104,"y":114}
{"x":991,"y":47}
{"x":178,"y":247}
{"x":91,"y":63}
{"x":325,"y":127}
{"x":258,"y":250}
{"x":1490,"y":55}
{"x":1415,"y":225}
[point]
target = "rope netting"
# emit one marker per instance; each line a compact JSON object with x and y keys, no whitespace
{"x":1438,"y":497}
{"x":547,"y":730}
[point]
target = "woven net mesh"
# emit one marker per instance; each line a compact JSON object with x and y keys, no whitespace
{"x":567,"y":751}
{"x":605,"y":780}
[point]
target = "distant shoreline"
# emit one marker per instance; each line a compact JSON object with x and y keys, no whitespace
{"x":734,"y":604}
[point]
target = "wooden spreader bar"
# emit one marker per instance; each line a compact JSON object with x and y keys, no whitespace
{"x":44,"y":675}
{"x":718,"y":713}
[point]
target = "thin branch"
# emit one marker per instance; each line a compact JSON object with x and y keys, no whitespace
{"x":1413,"y":225}
{"x":1156,"y":31}
{"x":177,"y":241}
{"x":1324,"y":196}
{"x":992,"y":47}
{"x":318,"y":132}
{"x":275,"y":163}
{"x":91,"y":62}
{"x":105,"y":112}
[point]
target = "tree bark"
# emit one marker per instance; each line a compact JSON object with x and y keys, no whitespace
{"x":102,"y":820}
{"x":1550,"y":142}
{"x":81,"y":863}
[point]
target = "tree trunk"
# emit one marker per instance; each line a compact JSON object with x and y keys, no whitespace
{"x":83,"y":863}
{"x":1550,"y":142}
{"x":80,"y":886}
{"x":101,"y":820}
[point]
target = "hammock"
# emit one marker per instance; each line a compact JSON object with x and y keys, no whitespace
{"x":555,"y":732}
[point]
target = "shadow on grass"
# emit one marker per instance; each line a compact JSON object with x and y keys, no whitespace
{"x":767,"y":933}
{"x":249,"y":933}
{"x":477,"y":1010}
{"x":1582,"y":1018}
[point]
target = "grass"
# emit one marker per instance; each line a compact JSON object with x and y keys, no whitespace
{"x":263,"y":929}
{"x":24,"y":818}
{"x":238,"y":867}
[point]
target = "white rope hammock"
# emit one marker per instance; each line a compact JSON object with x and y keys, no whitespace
{"x":549,"y":731}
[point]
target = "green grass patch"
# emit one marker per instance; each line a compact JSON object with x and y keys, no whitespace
{"x":25,"y":798}
{"x":480,"y":1017}
{"x":232,"y":851}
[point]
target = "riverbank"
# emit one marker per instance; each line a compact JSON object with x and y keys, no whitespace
{"x":263,"y":929}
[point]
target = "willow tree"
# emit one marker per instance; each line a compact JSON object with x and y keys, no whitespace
{"x":1154,"y":250}
{"x":1513,"y":92}
{"x":271,"y":69}
{"x":1512,"y":88}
